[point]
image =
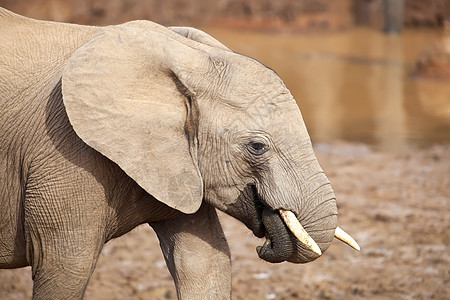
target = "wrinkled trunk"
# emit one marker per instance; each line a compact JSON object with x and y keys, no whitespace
{"x":280,"y":242}
{"x":320,"y":221}
{"x":306,"y":192}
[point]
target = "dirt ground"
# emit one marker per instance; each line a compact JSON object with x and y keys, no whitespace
{"x":396,"y":205}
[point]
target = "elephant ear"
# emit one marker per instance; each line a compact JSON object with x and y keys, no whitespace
{"x":129,"y":94}
{"x":189,"y":33}
{"x":199,"y":36}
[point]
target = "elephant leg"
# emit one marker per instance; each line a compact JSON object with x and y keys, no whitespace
{"x":197,"y":254}
{"x":63,"y":243}
{"x":62,"y":263}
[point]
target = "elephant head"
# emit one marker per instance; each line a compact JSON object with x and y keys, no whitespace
{"x":190,"y":121}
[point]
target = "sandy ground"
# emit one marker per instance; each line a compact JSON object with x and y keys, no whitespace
{"x":395,"y":204}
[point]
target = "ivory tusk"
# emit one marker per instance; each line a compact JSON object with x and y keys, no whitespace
{"x":346,"y":238}
{"x":297,"y":229}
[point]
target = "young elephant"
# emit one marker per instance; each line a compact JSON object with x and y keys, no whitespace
{"x":103,"y":129}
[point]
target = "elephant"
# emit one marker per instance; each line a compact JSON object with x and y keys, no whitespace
{"x":107,"y":128}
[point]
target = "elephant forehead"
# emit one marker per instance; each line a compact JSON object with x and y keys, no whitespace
{"x":243,"y":81}
{"x":263,"y":113}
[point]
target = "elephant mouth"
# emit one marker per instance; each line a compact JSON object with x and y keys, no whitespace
{"x":279,"y":244}
{"x":285,"y":237}
{"x":281,"y":229}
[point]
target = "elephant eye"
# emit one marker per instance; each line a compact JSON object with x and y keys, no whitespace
{"x":257,"y":148}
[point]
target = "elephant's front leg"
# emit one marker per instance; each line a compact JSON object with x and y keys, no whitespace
{"x":197,"y":254}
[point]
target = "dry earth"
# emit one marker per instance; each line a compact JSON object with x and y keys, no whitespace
{"x":395,"y":204}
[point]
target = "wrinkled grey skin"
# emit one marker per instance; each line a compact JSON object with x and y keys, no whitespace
{"x":103,"y":129}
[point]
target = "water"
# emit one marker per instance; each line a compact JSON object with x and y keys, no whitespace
{"x":356,"y":85}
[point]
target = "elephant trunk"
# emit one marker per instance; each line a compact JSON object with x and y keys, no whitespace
{"x":302,"y":219}
{"x":311,"y":223}
{"x":279,"y":244}
{"x":319,"y":223}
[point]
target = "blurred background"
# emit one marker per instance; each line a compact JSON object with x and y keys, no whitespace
{"x":372,"y":79}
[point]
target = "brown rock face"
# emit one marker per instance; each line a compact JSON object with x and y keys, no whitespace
{"x":435,"y":61}
{"x":280,"y":15}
